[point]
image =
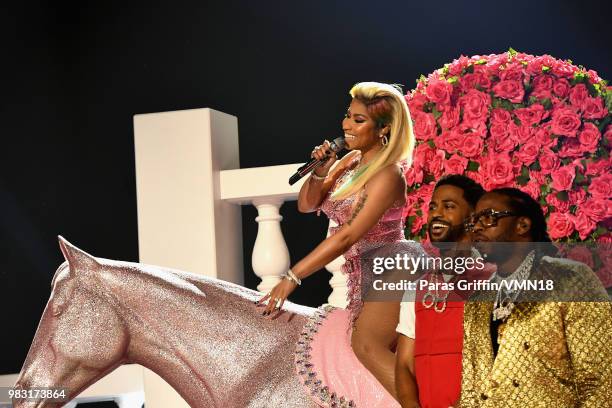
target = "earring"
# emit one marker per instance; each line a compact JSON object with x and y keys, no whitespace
{"x":384,"y":140}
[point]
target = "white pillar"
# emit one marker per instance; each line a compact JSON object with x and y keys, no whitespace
{"x":338,"y":281}
{"x":182,"y":221}
{"x":270,"y":256}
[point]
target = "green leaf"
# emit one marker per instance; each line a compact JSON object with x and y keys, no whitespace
{"x":573,"y":209}
{"x":535,"y":166}
{"x":436,"y":113}
{"x":452,"y":79}
{"x":563,"y":196}
{"x":525,"y":172}
{"x":522,"y":180}
{"x":431,"y":143}
{"x":547,"y":103}
{"x":579,"y":179}
{"x":545,"y":189}
{"x":473,"y":166}
{"x":512,"y":52}
{"x":481,"y":61}
{"x":428,"y":106}
{"x":468,"y":70}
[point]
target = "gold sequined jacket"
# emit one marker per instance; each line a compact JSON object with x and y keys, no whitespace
{"x":551,"y":353}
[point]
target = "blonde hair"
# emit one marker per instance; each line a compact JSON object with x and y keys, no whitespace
{"x":387,"y":106}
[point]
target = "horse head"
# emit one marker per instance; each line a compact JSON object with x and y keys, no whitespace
{"x":81,"y":336}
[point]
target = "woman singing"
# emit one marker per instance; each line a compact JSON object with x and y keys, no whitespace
{"x":365,"y":194}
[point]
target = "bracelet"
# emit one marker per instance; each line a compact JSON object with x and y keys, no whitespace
{"x":293,"y":278}
{"x":317,"y":178}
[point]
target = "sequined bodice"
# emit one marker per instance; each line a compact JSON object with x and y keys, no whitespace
{"x":390,"y":227}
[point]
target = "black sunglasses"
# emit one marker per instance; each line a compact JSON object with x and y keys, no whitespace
{"x":487,"y":218}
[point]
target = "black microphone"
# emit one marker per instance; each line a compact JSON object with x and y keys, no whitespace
{"x":336,"y":146}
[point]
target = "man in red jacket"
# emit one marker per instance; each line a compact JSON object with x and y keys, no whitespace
{"x":428,"y":364}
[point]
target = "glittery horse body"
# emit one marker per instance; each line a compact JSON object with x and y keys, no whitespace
{"x":204,"y":336}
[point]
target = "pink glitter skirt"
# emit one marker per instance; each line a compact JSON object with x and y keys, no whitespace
{"x":328,"y":368}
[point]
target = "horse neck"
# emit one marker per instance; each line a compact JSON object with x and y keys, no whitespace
{"x":189,"y":330}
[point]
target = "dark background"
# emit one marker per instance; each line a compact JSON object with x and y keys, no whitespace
{"x":73,"y":75}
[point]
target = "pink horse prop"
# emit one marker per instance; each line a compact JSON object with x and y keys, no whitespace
{"x":203,"y":336}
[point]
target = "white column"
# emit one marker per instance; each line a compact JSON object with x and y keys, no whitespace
{"x":270,"y":256}
{"x":182,"y":221}
{"x":338,"y":281}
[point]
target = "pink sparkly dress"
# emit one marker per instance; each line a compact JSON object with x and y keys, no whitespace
{"x":325,"y":361}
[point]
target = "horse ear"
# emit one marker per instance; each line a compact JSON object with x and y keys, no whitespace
{"x":76,"y":258}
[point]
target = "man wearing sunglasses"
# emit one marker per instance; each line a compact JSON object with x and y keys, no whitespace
{"x":428,"y":362}
{"x":523,"y":353}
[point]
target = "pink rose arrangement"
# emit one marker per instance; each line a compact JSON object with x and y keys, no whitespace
{"x":537,"y":123}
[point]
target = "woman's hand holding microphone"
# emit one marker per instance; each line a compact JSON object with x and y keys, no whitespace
{"x":320,"y":153}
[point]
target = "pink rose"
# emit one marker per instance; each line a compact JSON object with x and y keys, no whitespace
{"x":560,"y":206}
{"x":549,"y":161}
{"x":435,"y":164}
{"x":542,"y":86}
{"x":498,"y":130}
{"x":605,"y":239}
{"x":577,"y":196}
{"x":499,"y":115}
{"x":535,"y":65}
{"x":449,"y":118}
{"x":545,"y":138}
{"x":589,"y":137}
{"x":522,"y":133}
{"x":422,"y":154}
{"x":503,"y":142}
{"x":439,"y":91}
{"x":528,"y":152}
{"x":414,"y":175}
{"x":475,"y":105}
{"x":608,"y":134}
{"x":498,"y":171}
{"x":424,"y":125}
{"x":532,"y":115}
{"x":415,"y":102}
{"x":595,"y":168}
{"x":474,"y":126}
{"x":472,"y":146}
{"x":594,"y":108}
{"x":580,"y":253}
{"x":560,"y":225}
{"x":512,"y":72}
{"x":596,"y":209}
{"x":458,"y":65}
{"x":532,"y":188}
{"x":578,"y":95}
{"x":538,"y":176}
{"x":561,"y":87}
{"x":455,"y":164}
{"x":476,"y":79}
{"x":565,"y":122}
{"x":511,"y":90}
{"x":563,"y":178}
{"x":571,"y":148}
{"x":451,"y":141}
{"x":564,"y":69}
{"x":601,"y":187}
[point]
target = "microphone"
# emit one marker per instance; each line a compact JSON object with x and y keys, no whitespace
{"x":336,"y":146}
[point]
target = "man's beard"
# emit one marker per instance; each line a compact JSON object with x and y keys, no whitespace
{"x":453,"y":234}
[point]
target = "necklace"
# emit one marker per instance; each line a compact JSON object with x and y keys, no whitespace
{"x":435,"y":299}
{"x":506,"y":297}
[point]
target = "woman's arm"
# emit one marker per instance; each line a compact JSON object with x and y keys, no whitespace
{"x":314,"y":191}
{"x":377,"y":197}
{"x":380,"y":193}
{"x":405,"y":383}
